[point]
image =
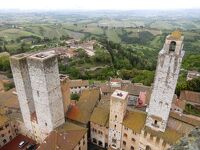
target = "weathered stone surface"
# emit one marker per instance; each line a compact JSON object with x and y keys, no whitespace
{"x":45,"y":82}
{"x":168,"y":67}
{"x":189,"y":142}
{"x":20,"y":72}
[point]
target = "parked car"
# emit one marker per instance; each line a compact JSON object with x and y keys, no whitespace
{"x":31,"y":147}
{"x":22,"y":144}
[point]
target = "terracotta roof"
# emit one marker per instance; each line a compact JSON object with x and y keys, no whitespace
{"x":3,"y":120}
{"x":68,"y":126}
{"x":105,"y":88}
{"x":82,"y":111}
{"x":100,"y":116}
{"x":170,"y":136}
{"x":8,"y":99}
{"x":194,"y":121}
{"x":64,"y":137}
{"x":190,"y":96}
{"x":77,"y":83}
{"x":180,"y":103}
{"x":135,"y":89}
{"x":115,"y":80}
{"x":135,"y":120}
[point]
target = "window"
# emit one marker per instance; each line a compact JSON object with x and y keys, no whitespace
{"x":94,"y":140}
{"x":132,"y":148}
{"x":125,"y":128}
{"x":115,"y":117}
{"x":45,"y":124}
{"x":100,"y":143}
{"x":172,"y":46}
{"x":155,"y":122}
{"x":115,"y":126}
{"x":79,"y":148}
{"x":1,"y":128}
{"x":157,"y":140}
{"x":125,"y":135}
{"x":148,"y":147}
{"x":124,"y":143}
{"x":133,"y":139}
{"x":10,"y":137}
{"x":38,"y":94}
{"x":2,"y":135}
{"x":114,"y":140}
{"x":83,"y":142}
{"x":8,"y":131}
{"x":4,"y":141}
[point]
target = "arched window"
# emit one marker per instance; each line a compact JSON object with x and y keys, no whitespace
{"x":172,"y":46}
{"x":115,"y":117}
{"x":4,"y":141}
{"x":125,"y":135}
{"x":124,"y":143}
{"x":94,"y":140}
{"x":148,"y":147}
{"x":155,"y":122}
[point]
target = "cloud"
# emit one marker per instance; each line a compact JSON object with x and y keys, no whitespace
{"x":99,"y":4}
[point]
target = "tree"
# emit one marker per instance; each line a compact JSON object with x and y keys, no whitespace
{"x":74,"y":96}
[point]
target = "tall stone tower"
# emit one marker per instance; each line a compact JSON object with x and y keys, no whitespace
{"x":20,"y":72}
{"x":118,"y":104}
{"x":168,"y":67}
{"x":45,"y":82}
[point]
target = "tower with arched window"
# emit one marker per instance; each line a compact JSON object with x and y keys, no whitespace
{"x":167,"y":71}
{"x":118,"y":104}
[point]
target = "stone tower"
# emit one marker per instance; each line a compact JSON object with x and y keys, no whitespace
{"x":168,"y":67}
{"x":118,"y":104}
{"x":45,"y":82}
{"x":20,"y":72}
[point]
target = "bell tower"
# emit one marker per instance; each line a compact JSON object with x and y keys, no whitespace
{"x":167,"y":72}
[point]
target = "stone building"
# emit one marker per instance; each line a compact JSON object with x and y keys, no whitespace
{"x":6,"y":131}
{"x":118,"y":103}
{"x":43,"y":98}
{"x":77,"y":86}
{"x":192,"y":75}
{"x":23,"y":87}
{"x":168,"y":67}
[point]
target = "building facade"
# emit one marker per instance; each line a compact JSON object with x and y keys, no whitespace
{"x":46,"y":89}
{"x":118,"y":104}
{"x":21,"y":77}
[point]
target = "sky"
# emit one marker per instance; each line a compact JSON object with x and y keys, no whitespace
{"x":98,"y":4}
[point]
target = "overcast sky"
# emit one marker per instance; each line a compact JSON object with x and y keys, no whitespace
{"x":99,"y":4}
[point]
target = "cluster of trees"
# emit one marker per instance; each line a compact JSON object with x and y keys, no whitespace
{"x":191,"y":85}
{"x":143,"y":37}
{"x":4,"y":62}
